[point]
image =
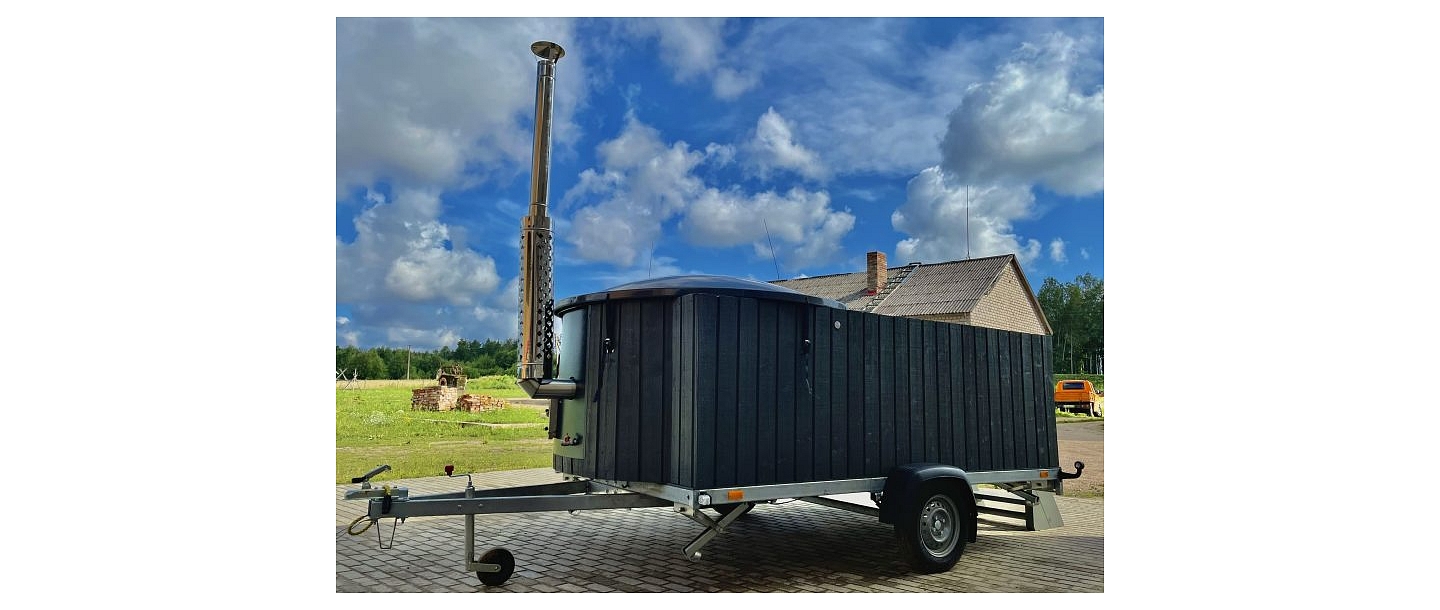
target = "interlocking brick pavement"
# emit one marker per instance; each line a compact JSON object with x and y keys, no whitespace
{"x":790,"y":547}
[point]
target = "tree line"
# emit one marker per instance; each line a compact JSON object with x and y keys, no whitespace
{"x":1076,"y":311}
{"x":477,"y":358}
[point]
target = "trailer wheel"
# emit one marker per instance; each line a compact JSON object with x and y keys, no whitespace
{"x":507,"y":567}
{"x":933,"y":535}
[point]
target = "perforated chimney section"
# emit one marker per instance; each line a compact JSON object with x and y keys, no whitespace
{"x":875,"y":272}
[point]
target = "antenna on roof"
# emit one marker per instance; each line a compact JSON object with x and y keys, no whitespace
{"x":967,"y":222}
{"x":778,"y":275}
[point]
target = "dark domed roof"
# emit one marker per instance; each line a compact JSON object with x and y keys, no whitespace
{"x":685,"y":284}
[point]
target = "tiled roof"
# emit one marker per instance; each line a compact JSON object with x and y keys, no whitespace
{"x":848,"y":288}
{"x":953,"y":287}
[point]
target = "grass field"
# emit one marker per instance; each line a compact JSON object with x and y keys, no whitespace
{"x":500,"y":386}
{"x":375,"y":425}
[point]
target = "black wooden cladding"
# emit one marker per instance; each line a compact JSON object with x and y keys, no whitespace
{"x":705,"y":391}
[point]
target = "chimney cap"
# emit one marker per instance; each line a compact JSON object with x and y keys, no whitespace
{"x":545,"y":49}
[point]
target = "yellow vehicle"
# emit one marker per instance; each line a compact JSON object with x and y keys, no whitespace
{"x":1077,"y":396}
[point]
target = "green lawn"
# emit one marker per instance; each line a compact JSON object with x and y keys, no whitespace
{"x":499,"y":386}
{"x":376,"y":426}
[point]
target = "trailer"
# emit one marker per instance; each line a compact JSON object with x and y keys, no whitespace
{"x":708,"y":395}
{"x":704,"y":392}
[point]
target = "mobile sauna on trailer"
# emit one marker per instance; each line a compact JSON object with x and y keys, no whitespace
{"x":709,"y":392}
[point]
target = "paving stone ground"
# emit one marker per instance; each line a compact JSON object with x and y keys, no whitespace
{"x":791,"y":547}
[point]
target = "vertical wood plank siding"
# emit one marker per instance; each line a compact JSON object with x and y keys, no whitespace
{"x":653,"y":423}
{"x":707,"y":391}
{"x":766,"y":394}
{"x":871,"y":427}
{"x":805,"y":395}
{"x":916,"y":389}
{"x":627,"y":420}
{"x":930,"y":381}
{"x":747,"y":439}
{"x":820,"y":423}
{"x":901,"y":406}
{"x":787,"y":384}
{"x":706,"y":308}
{"x":684,"y":405}
{"x":886,"y":404}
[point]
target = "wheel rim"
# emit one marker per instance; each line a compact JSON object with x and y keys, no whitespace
{"x":937,"y":525}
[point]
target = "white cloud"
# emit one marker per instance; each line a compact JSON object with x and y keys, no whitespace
{"x":341,"y":320}
{"x":404,"y":281}
{"x":690,"y":46}
{"x":799,"y":219}
{"x":868,"y":97}
{"x":1037,"y":121}
{"x":934,"y":215}
{"x":720,"y":154}
{"x":730,"y":83}
{"x":644,"y":183}
{"x":695,"y":48}
{"x":1057,"y":250}
{"x":773,"y":147}
{"x":652,"y":267}
{"x":1085,"y":254}
{"x":401,"y":252}
{"x":862,"y":92}
{"x":426,"y":103}
{"x":422,"y":336}
{"x":821,"y":243}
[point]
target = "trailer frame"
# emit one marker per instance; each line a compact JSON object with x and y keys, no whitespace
{"x":1032,"y":489}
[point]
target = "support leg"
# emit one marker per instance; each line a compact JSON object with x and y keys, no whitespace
{"x":473,"y":564}
{"x":713,"y":528}
{"x":496,"y":566}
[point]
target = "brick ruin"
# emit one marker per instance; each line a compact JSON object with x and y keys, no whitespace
{"x":451,"y":377}
{"x":434,"y":398}
{"x":476,"y":403}
{"x":448,"y":395}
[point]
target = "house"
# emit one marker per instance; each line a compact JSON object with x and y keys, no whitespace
{"x":990,"y":292}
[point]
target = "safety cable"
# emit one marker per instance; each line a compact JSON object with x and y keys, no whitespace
{"x":351,"y":529}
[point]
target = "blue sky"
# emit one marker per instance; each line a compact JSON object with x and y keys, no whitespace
{"x":691,"y":145}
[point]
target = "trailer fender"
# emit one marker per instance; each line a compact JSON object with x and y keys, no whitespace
{"x":902,"y":490}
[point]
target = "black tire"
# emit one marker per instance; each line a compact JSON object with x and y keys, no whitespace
{"x":507,"y":567}
{"x":933,"y":531}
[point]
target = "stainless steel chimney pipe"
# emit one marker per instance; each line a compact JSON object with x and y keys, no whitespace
{"x":537,"y":286}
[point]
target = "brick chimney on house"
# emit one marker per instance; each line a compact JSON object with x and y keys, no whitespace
{"x":875,"y":272}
